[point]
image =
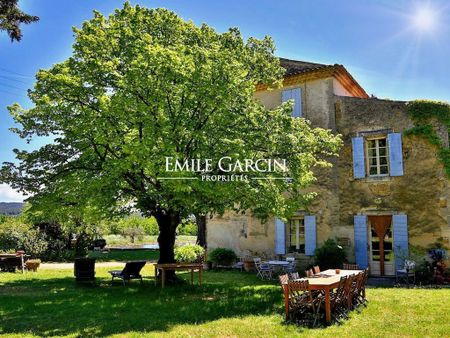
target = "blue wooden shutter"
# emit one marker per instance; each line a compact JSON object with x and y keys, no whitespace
{"x":310,"y":235}
{"x":395,"y":154}
{"x":280,"y":240}
{"x":297,"y":96}
{"x":359,"y":168}
{"x":361,"y":241}
{"x":400,"y":234}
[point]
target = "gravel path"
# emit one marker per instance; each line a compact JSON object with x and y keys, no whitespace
{"x":62,"y":266}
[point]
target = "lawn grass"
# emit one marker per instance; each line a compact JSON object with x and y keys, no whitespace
{"x":125,"y":255}
{"x":229,"y":304}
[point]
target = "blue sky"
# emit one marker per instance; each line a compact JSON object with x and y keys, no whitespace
{"x":395,"y":49}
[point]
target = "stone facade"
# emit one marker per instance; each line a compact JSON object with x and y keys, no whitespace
{"x":421,"y":193}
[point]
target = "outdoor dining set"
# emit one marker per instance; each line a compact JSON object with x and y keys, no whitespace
{"x":268,"y":269}
{"x":329,"y":295}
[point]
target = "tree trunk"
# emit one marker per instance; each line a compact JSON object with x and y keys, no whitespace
{"x":168,"y":221}
{"x":201,"y":230}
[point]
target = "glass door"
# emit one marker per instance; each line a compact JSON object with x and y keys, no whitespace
{"x":381,"y":245}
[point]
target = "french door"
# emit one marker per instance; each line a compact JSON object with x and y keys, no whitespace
{"x":381,"y":245}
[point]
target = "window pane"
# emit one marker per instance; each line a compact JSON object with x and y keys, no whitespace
{"x":373,"y":161}
{"x":384,"y":169}
{"x":382,"y":151}
{"x":371,"y":143}
{"x":383,"y":160}
{"x":372,"y":152}
{"x":382,"y":142}
{"x":373,"y":171}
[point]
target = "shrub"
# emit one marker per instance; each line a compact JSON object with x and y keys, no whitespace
{"x":136,"y":226}
{"x":330,"y":255}
{"x":187,"y":229}
{"x":18,"y":235}
{"x":189,"y":254}
{"x":222,"y":256}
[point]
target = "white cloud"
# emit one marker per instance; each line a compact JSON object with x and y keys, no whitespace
{"x":8,"y":194}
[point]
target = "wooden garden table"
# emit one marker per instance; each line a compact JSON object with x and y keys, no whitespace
{"x":327,"y":283}
{"x":178,"y":266}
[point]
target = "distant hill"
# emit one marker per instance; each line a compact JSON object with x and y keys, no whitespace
{"x":11,"y":208}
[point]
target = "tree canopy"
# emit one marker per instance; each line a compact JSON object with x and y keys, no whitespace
{"x":143,"y":85}
{"x":11,"y":17}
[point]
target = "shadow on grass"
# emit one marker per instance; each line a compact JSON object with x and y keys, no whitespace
{"x":57,"y":306}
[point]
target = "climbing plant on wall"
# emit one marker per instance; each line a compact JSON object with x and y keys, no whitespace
{"x":423,"y":113}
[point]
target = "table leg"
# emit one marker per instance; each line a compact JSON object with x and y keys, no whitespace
{"x":327,"y":306}
{"x":200,"y":272}
{"x":286,"y":301}
{"x":163,"y":277}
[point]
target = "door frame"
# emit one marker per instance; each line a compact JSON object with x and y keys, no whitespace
{"x":372,"y":212}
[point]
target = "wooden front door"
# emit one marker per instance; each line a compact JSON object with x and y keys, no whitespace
{"x":381,"y":256}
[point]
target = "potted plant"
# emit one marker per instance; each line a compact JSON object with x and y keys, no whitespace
{"x":222,"y":257}
{"x":32,"y":264}
{"x":249,"y":265}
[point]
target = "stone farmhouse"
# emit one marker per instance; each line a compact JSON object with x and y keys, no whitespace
{"x":385,"y":193}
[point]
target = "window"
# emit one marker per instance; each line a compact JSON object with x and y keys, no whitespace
{"x":297,"y":235}
{"x":377,"y":157}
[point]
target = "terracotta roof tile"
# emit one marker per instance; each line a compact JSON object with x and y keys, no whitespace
{"x":294,"y":67}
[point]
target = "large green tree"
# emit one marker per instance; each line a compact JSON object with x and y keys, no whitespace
{"x":143,"y":85}
{"x":11,"y":17}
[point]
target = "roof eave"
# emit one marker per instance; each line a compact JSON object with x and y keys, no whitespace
{"x":336,"y":71}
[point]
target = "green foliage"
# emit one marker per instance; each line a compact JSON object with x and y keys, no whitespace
{"x":423,"y":113}
{"x":15,"y":234}
{"x":189,"y":254}
{"x":187,"y":229}
{"x":143,"y":85}
{"x":11,"y":17}
{"x":222,"y":256}
{"x":330,"y":255}
{"x":136,"y":226}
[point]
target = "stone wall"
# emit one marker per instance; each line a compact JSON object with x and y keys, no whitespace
{"x":421,"y":193}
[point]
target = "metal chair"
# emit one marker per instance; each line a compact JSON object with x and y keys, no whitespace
{"x":264,"y":271}
{"x":290,"y":268}
{"x":316,"y":269}
{"x":407,"y":272}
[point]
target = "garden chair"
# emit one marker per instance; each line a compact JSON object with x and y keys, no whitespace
{"x":309,"y":273}
{"x":132,"y":270}
{"x":84,"y":270}
{"x":361,"y":297}
{"x":347,"y":266}
{"x":290,"y":268}
{"x":293,"y":276}
{"x":302,"y":304}
{"x":356,"y":290}
{"x":406,"y":273}
{"x":316,"y":269}
{"x":339,"y":300}
{"x":263,"y":271}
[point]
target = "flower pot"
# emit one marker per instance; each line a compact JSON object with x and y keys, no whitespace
{"x":32,"y":265}
{"x":248,"y":266}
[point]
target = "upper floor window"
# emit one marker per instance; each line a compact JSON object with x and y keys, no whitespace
{"x":377,"y":157}
{"x":296,"y":235}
